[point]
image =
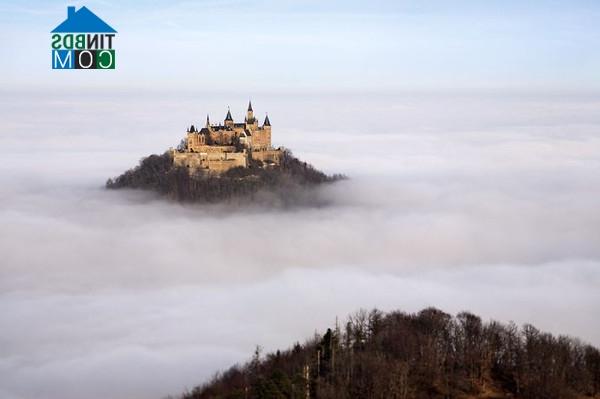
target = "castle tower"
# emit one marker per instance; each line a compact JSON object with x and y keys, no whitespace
{"x":228,"y":119}
{"x":251,"y":121}
{"x":191,"y":137}
{"x":266,"y":127}
{"x":250,"y":113}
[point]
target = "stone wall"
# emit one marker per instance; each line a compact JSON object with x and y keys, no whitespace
{"x":194,"y":140}
{"x":214,"y":161}
{"x":268,"y":156}
{"x":213,"y":149}
{"x":261,"y":139}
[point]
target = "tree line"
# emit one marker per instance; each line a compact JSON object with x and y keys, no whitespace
{"x":157,"y":173}
{"x":430,"y":354}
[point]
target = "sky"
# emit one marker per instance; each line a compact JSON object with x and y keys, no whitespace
{"x":337,"y":45}
{"x":470,"y":133}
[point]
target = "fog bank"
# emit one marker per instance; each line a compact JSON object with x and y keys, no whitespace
{"x":474,"y":201}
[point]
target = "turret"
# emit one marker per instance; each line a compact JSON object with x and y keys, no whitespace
{"x":264,"y":137}
{"x":250,"y":113}
{"x":228,"y":119}
{"x":191,"y":137}
{"x":207,"y":122}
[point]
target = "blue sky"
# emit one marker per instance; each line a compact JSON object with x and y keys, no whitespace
{"x":317,"y":45}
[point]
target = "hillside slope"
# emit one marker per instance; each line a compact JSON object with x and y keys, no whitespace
{"x":157,"y":173}
{"x":425,"y":355}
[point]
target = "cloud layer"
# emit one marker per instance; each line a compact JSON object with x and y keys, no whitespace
{"x":484,"y":202}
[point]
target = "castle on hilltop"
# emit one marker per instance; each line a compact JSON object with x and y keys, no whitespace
{"x":218,"y":148}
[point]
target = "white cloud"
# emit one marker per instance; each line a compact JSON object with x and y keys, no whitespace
{"x":477,"y":202}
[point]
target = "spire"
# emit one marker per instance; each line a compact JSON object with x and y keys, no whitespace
{"x":267,"y":121}
{"x":250,"y":114}
{"x":228,"y":117}
{"x":207,"y":121}
{"x":192,"y":129}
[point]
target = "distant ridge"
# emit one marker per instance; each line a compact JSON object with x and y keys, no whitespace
{"x":429,"y":354}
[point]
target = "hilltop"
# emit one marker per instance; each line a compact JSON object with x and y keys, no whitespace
{"x":158,"y":173}
{"x":224,"y":161}
{"x":430,"y":354}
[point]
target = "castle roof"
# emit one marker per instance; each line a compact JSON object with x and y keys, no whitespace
{"x":267,"y":121}
{"x":249,"y":105}
{"x":228,"y":117}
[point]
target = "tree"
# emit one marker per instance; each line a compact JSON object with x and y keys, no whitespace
{"x":425,"y":355}
{"x":182,"y":145}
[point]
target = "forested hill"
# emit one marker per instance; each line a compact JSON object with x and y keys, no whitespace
{"x":286,"y":182}
{"x":430,"y":354}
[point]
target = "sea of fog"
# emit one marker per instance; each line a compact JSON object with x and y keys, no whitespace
{"x":480,"y":201}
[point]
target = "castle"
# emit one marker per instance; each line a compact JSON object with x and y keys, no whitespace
{"x":218,"y":148}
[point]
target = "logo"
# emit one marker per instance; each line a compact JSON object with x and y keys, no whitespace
{"x":83,"y":41}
